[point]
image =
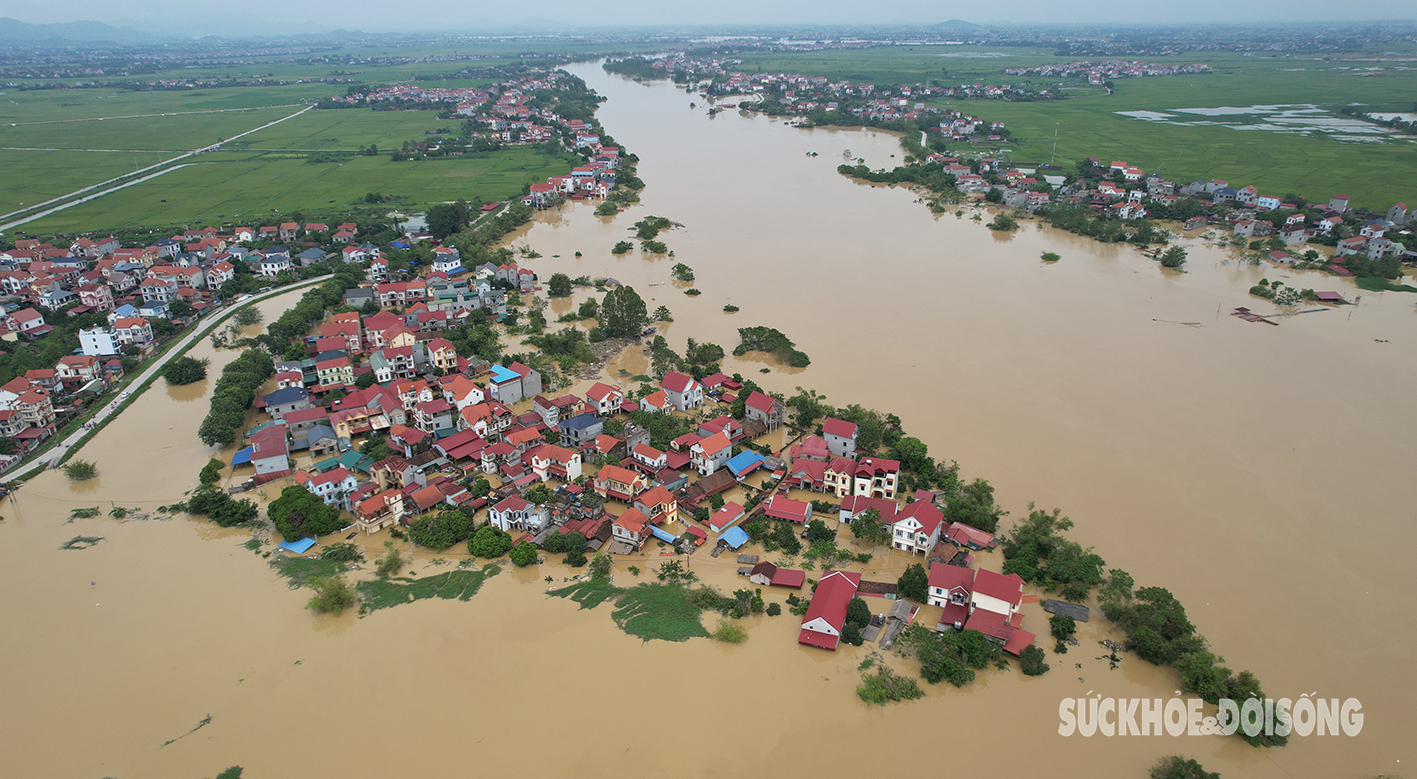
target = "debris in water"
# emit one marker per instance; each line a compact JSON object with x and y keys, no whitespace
{"x":207,"y":720}
{"x":82,"y":542}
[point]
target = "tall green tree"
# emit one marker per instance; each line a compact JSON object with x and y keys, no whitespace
{"x":300,"y":512}
{"x":444,"y":219}
{"x":623,"y":313}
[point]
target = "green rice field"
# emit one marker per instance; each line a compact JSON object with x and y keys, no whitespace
{"x":1088,"y":124}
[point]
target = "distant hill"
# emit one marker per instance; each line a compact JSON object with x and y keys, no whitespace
{"x":956,"y":25}
{"x":14,"y":32}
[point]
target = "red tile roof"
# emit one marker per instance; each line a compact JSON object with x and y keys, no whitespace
{"x":1008,"y":589}
{"x":834,"y":593}
{"x":677,"y":382}
{"x":948,"y":577}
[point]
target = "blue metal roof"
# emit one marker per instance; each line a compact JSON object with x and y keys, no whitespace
{"x":299,"y":547}
{"x":242,"y":457}
{"x":662,"y":535}
{"x":734,"y":536}
{"x":502,"y":373}
{"x":744,"y":463}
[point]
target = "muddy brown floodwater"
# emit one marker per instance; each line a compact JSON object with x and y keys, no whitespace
{"x":1258,"y":472}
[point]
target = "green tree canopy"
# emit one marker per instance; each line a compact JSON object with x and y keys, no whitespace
{"x":623,"y":313}
{"x":300,"y":512}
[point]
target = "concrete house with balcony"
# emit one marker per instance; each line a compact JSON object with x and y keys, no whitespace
{"x":710,"y":454}
{"x":604,"y":399}
{"x":876,"y":477}
{"x":558,"y":462}
{"x":622,"y":484}
{"x":917,"y":528}
{"x":683,"y":392}
{"x":513,"y":513}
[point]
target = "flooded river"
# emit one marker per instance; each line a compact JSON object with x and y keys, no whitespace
{"x":1256,"y":471}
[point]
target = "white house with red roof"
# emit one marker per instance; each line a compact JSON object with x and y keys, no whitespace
{"x":710,"y":454}
{"x":877,"y":477}
{"x":269,"y":449}
{"x":996,"y":592}
{"x":333,"y":487}
{"x":631,"y":528}
{"x":840,"y":436}
{"x":656,"y":402}
{"x":826,"y":614}
{"x":549,"y":461}
{"x":649,"y":458}
{"x":515,"y":513}
{"x":462,"y":393}
{"x":951,"y":587}
{"x":604,"y":399}
{"x":917,"y":528}
{"x":684,"y":393}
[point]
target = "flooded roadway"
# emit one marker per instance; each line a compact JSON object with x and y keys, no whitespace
{"x":1255,"y":471}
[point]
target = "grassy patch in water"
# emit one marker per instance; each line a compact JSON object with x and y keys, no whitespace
{"x":301,"y":570}
{"x":459,"y":584}
{"x":1379,"y":284}
{"x":648,"y":611}
{"x":81,"y":542}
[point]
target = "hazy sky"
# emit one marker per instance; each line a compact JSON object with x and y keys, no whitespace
{"x":450,"y":14}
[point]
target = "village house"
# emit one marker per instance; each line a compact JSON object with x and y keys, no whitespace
{"x":839,"y":477}
{"x":631,"y":529}
{"x":515,"y":513}
{"x":710,"y":454}
{"x":789,"y":510}
{"x":462,"y":393}
{"x":604,"y":399}
{"x":384,"y":509}
{"x":877,"y":477}
{"x":268,"y":451}
{"x":764,"y":409}
{"x":917,"y":528}
{"x":657,"y":503}
{"x":550,"y":460}
{"x":333,"y":486}
{"x":622,"y":484}
{"x":656,"y":402}
{"x":840,"y":437}
{"x":766,"y":574}
{"x":649,"y":459}
{"x":509,"y":384}
{"x":826,"y":614}
{"x":684,"y":393}
{"x":288,"y":399}
{"x":950,"y":587}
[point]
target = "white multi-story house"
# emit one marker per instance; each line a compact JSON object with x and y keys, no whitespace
{"x":710,"y":454}
{"x":514,"y":513}
{"x":684,"y":393}
{"x":917,"y":528}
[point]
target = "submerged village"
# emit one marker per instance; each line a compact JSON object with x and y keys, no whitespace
{"x":954,"y":156}
{"x":397,"y":401}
